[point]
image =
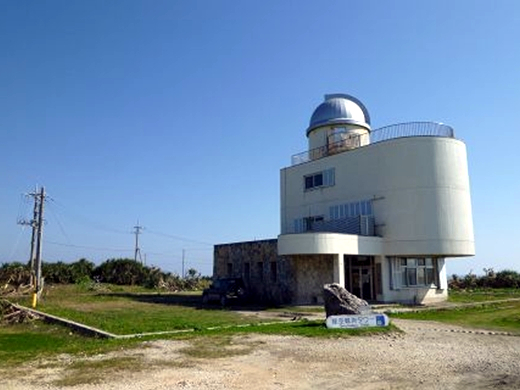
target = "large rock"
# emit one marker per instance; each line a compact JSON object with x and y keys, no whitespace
{"x":339,"y":301}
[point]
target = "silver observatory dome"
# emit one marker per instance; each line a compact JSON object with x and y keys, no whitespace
{"x":340,"y":109}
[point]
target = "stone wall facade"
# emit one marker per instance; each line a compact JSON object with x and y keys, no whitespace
{"x":265,"y":274}
{"x":274,"y":279}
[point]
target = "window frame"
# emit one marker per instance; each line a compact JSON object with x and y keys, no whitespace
{"x":411,"y":268}
{"x":322,"y":179}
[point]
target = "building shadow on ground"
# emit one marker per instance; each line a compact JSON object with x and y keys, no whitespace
{"x":187,"y":300}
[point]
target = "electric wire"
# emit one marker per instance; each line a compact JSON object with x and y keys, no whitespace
{"x":81,"y":219}
{"x":178,"y":237}
{"x":55,"y":215}
{"x":87,"y":247}
{"x":17,"y":242}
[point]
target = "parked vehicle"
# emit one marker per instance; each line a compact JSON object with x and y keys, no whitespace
{"x":224,"y":289}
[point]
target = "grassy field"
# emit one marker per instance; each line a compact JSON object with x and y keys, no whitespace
{"x":497,"y":316}
{"x":22,"y":342}
{"x":480,"y":295}
{"x":129,"y":311}
{"x":134,"y":310}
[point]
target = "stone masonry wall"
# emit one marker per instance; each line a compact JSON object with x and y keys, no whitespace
{"x":265,"y":274}
{"x":309,"y":274}
{"x":271,"y":278}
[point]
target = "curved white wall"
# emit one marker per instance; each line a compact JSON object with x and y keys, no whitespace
{"x":328,"y":243}
{"x":420,"y":187}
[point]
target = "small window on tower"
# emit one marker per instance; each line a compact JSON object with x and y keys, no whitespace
{"x":309,"y":183}
{"x":319,"y":179}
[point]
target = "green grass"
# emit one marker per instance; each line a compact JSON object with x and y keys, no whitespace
{"x":126,"y":311}
{"x":499,"y":316}
{"x":480,"y":295}
{"x":129,"y":312}
{"x":23,"y":342}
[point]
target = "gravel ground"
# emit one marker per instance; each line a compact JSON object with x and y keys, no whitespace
{"x":427,"y":355}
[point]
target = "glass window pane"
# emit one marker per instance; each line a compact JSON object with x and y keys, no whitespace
{"x":429,"y":276}
{"x":369,"y":207}
{"x":404,"y":281}
{"x":318,"y":180}
{"x":358,"y":209}
{"x":421,"y":262}
{"x":308,"y":182}
{"x":342,"y":211}
{"x":403,"y":262}
{"x":420,"y":276}
{"x":352,"y":210}
{"x":429,"y":262}
{"x":411,"y":276}
{"x":363,"y":208}
{"x":412,"y":263}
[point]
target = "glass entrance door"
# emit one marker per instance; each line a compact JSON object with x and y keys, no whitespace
{"x":362,"y":282}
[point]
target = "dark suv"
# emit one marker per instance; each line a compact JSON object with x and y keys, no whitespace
{"x":224,"y":289}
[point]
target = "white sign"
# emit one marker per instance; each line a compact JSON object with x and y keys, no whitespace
{"x":357,"y":321}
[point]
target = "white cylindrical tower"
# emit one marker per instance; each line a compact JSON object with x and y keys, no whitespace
{"x":340,"y":123}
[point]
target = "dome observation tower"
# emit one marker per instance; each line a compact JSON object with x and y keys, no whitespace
{"x":340,"y":123}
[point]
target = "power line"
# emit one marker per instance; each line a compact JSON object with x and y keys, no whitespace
{"x":89,"y":222}
{"x":51,"y":209}
{"x":178,"y":237}
{"x":88,"y":247}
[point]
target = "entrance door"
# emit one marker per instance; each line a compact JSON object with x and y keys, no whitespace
{"x":362,"y":282}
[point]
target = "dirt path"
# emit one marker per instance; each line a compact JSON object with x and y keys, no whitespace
{"x":428,"y":355}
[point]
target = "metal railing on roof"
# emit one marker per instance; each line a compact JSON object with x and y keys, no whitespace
{"x":353,"y":141}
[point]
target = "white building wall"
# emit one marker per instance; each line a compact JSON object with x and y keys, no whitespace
{"x":419,"y":186}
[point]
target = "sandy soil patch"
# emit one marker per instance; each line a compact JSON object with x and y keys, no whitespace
{"x":427,"y":355}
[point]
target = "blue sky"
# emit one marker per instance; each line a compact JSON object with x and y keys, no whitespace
{"x":181,"y":113}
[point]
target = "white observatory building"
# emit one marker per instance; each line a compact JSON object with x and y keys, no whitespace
{"x":377,"y":211}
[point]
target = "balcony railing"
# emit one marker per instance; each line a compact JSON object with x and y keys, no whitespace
{"x":362,"y":225}
{"x":352,"y":141}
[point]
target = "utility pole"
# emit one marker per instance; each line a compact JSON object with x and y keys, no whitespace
{"x":39,"y":236}
{"x":137,"y":231}
{"x":36,"y":242}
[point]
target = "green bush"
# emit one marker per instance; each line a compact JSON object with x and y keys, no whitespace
{"x":113,"y":271}
{"x":122,"y":271}
{"x":491,"y":279}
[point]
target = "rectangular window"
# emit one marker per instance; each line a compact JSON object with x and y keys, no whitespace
{"x":309,"y":182}
{"x":352,"y":209}
{"x":319,"y":179}
{"x":229,"y":269}
{"x":260,"y":270}
{"x":273,"y":272}
{"x":247,"y":271}
{"x":417,"y":271}
{"x":309,"y":222}
{"x":363,"y":208}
